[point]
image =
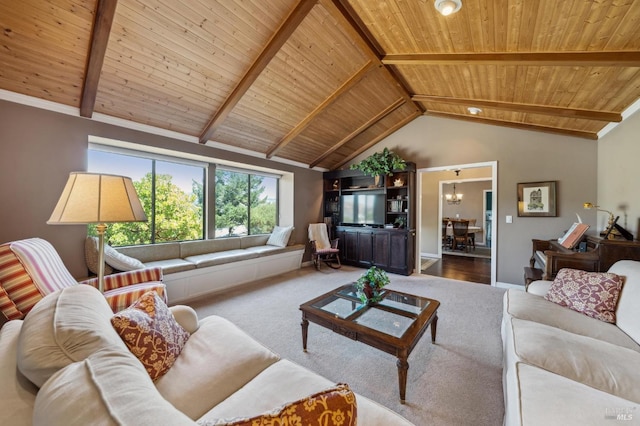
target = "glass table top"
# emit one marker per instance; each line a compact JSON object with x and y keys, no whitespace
{"x":393,"y":315}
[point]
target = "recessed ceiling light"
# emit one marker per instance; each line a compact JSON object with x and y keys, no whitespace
{"x":447,"y":7}
{"x":474,"y":110}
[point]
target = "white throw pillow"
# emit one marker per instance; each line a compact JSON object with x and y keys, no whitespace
{"x":280,"y":236}
{"x":119,"y":261}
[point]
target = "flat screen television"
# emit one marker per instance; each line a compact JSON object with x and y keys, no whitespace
{"x":363,"y":209}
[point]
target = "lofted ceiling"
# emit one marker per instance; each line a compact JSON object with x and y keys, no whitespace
{"x":319,"y":82}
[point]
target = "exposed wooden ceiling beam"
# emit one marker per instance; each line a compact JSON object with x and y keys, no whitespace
{"x":388,"y":110}
{"x":278,"y":40}
{"x":105,"y":11}
{"x":377,"y":139}
{"x":342,"y":11}
{"x":522,"y":126}
{"x":526,"y":108}
{"x":346,"y":86}
{"x":584,"y":59}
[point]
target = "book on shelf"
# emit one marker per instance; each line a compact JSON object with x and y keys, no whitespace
{"x":573,"y":235}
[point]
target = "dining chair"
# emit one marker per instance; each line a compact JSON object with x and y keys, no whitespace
{"x":472,"y":235}
{"x":461,"y":234}
{"x":447,"y":239}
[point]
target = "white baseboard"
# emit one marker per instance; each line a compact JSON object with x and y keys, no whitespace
{"x":508,"y":285}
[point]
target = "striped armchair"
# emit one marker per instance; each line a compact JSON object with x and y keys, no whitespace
{"x":30,"y":269}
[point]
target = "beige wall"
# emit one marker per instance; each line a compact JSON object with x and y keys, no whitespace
{"x":522,"y":156}
{"x":619,"y":174}
{"x":40,"y":148}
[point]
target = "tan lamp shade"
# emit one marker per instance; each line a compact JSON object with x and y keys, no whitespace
{"x":97,"y":198}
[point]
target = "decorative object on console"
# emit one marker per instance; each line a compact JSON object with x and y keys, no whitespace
{"x":400,"y":222}
{"x":594,"y":294}
{"x":447,"y":7}
{"x":398,"y":182}
{"x":97,"y":198}
{"x":381,"y":163}
{"x":370,"y":284}
{"x":537,"y":199}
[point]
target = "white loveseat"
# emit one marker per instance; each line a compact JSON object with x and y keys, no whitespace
{"x":562,"y":367}
{"x":64,"y":364}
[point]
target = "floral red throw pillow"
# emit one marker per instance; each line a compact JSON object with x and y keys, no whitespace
{"x":151,"y":333}
{"x":335,"y":406}
{"x":595,"y":294}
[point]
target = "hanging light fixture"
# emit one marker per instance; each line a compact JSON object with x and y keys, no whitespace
{"x":447,"y":7}
{"x":454,"y":198}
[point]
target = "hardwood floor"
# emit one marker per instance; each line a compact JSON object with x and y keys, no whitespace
{"x":473,"y":269}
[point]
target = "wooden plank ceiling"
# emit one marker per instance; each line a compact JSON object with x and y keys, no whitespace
{"x":318,"y":82}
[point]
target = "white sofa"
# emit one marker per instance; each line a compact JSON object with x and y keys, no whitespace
{"x":562,"y":367}
{"x":194,"y":268}
{"x":65,"y":364}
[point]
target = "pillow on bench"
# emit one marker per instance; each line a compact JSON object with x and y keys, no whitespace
{"x":280,"y":236}
{"x":113,"y":259}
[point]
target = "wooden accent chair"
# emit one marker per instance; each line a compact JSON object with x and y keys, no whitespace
{"x":323,"y":250}
{"x":461,"y":234}
{"x":31,"y":269}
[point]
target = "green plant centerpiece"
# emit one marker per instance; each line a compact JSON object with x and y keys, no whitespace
{"x":370,"y":285}
{"x":381,"y":163}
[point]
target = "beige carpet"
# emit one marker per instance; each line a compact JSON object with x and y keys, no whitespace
{"x":457,"y":381}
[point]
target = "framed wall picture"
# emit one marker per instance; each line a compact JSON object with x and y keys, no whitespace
{"x":537,"y":199}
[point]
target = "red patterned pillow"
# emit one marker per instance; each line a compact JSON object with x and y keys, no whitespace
{"x":151,"y":333}
{"x":595,"y":294}
{"x":335,"y":406}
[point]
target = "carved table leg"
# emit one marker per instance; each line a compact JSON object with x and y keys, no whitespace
{"x":434,"y":325}
{"x":403,"y":368}
{"x":305,"y":328}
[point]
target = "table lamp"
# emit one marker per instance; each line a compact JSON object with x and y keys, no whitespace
{"x":589,"y":206}
{"x":97,"y":198}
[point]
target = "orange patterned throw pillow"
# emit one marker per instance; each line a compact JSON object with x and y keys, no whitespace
{"x":335,"y":406}
{"x":151,"y":333}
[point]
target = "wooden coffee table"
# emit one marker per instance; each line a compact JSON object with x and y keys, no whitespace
{"x":393,"y":325}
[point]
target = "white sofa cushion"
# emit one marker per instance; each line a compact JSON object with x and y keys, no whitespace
{"x":17,"y":394}
{"x":531,"y":307}
{"x":549,"y":399}
{"x":285,"y":382}
{"x":598,"y":364}
{"x":65,"y":327}
{"x":628,"y":313}
{"x":108,"y":388}
{"x":217,"y":360}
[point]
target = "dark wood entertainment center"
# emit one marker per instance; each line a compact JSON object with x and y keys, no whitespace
{"x":374,"y":244}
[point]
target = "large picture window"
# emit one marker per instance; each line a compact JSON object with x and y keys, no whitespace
{"x":246,"y":203}
{"x":172,"y":194}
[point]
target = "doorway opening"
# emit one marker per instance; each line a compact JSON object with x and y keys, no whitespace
{"x":479,"y":181}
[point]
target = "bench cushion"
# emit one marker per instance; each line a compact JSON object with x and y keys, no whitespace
{"x":220,"y":258}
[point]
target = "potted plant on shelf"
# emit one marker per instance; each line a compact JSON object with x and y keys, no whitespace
{"x":370,"y":284}
{"x":400,"y":222}
{"x":380,"y":164}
